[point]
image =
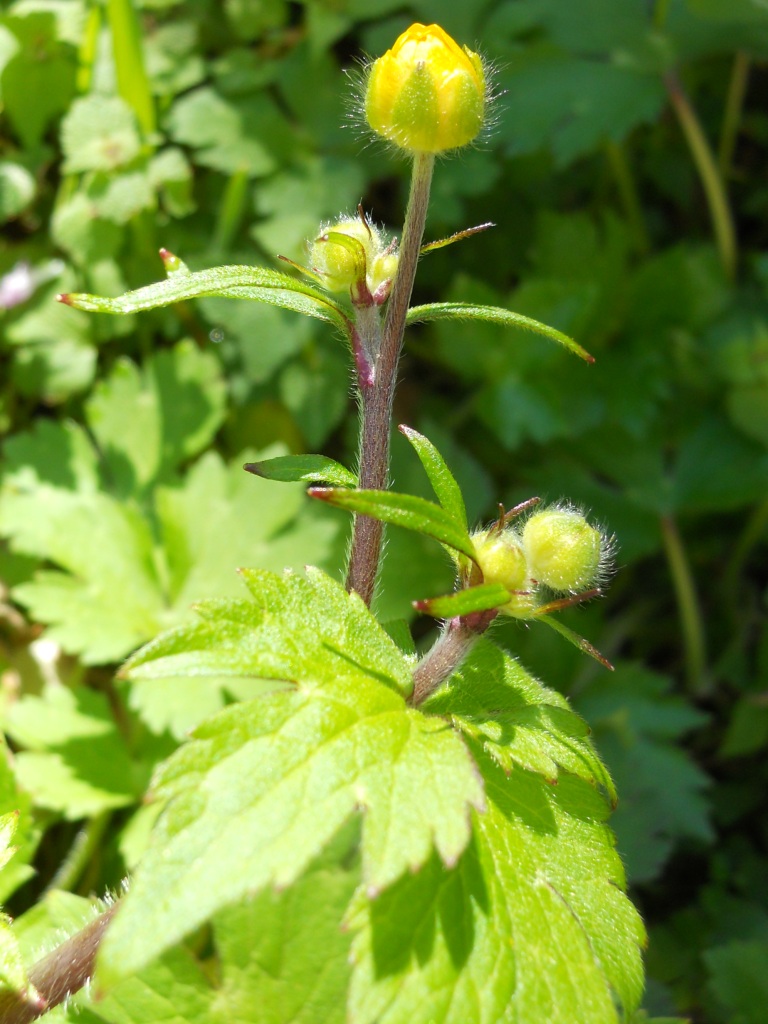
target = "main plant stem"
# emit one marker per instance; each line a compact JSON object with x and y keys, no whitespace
{"x":67,"y":968}
{"x":377,"y":389}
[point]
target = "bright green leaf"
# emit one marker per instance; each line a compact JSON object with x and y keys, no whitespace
{"x":230,"y":134}
{"x":75,"y":760}
{"x":38,"y":81}
{"x":174,"y":406}
{"x":255,"y":283}
{"x":17,"y":188}
{"x":255,"y":639}
{"x":494,"y":314}
{"x":305,"y":468}
{"x":473,"y":599}
{"x":13,"y":974}
{"x":286,"y":953}
{"x":406,"y":510}
{"x":443,"y":481}
{"x":265,"y":785}
{"x":99,"y":133}
{"x":531,"y":925}
{"x":492,"y":699}
{"x":105,"y":599}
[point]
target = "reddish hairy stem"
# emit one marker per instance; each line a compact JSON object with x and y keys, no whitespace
{"x":64,"y":970}
{"x":448,"y":652}
{"x":377,"y":393}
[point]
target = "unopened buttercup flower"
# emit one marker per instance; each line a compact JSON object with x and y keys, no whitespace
{"x":427,"y":94}
{"x":564,"y":551}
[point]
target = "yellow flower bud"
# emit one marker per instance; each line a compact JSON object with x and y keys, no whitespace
{"x":563,"y":551}
{"x":502,"y":560}
{"x":427,"y":94}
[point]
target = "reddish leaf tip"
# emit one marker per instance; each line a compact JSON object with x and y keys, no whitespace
{"x":64,"y":297}
{"x":166,"y":255}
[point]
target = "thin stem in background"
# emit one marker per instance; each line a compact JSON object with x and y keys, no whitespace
{"x":688,"y":606}
{"x":737,"y":89}
{"x":87,"y":51}
{"x":625,"y":183}
{"x":80,"y":853}
{"x":706,"y":165}
{"x":132,"y":79}
{"x":749,"y":537}
{"x":231,"y":211}
{"x":660,"y":12}
{"x":377,"y":394}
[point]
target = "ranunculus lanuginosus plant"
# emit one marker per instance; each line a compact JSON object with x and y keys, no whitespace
{"x":463,"y":796}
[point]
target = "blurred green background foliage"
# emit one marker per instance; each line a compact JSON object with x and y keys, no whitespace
{"x":625,"y":172}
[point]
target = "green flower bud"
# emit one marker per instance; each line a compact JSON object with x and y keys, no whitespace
{"x":341,"y":252}
{"x":427,"y":94}
{"x":353,"y":255}
{"x":501,"y":558}
{"x":563,"y":551}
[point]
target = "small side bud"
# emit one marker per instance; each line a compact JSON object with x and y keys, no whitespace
{"x":563,"y":550}
{"x":173,"y":265}
{"x":427,"y":94}
{"x":501,"y":558}
{"x":353,"y":255}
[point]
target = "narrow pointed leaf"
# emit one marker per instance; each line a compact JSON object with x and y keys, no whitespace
{"x":443,"y":481}
{"x":464,"y":602}
{"x":309,"y":469}
{"x":575,"y":639}
{"x":497,"y":315}
{"x":404,"y":510}
{"x":234,"y":282}
{"x":458,"y":236}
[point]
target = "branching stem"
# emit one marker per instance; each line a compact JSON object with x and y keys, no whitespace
{"x":377,"y":392}
{"x":451,"y":648}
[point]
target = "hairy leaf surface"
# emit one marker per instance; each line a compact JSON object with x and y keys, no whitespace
{"x":266,"y":784}
{"x":532,"y":925}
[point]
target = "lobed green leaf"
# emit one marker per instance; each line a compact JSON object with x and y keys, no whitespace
{"x":259,"y":638}
{"x":497,"y":315}
{"x":532,"y":924}
{"x":266,"y":784}
{"x":493,"y":700}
